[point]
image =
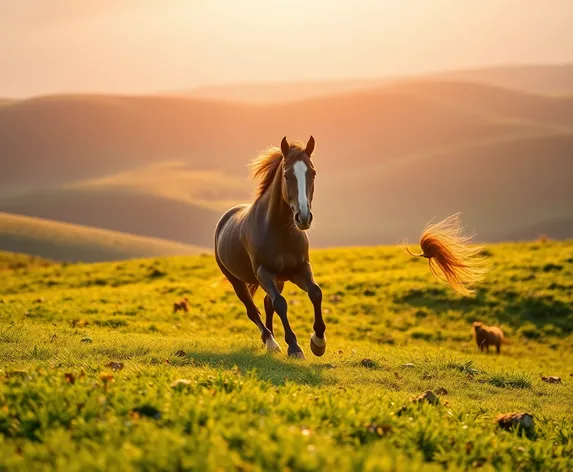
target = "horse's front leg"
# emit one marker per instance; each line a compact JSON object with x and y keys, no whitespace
{"x":268,"y":283}
{"x":305,"y":280}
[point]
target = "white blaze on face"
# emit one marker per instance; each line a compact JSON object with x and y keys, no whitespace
{"x":300,"y":174}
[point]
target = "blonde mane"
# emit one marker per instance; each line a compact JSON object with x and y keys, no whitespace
{"x":265,"y":165}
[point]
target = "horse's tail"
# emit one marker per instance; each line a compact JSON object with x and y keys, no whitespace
{"x":451,"y":259}
{"x":253,"y":289}
{"x":219,"y":281}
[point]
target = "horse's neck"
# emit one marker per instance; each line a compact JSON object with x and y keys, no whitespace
{"x":278,"y":213}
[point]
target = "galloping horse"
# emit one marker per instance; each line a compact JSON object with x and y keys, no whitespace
{"x":264,"y":244}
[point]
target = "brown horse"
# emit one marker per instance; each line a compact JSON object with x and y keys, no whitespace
{"x":264,"y":244}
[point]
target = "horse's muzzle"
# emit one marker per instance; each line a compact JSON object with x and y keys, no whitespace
{"x":303,"y":222}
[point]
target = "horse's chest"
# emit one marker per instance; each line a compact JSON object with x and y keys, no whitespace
{"x":285,"y":262}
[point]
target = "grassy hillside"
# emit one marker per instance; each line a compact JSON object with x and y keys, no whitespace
{"x":12,"y":261}
{"x":120,"y":209}
{"x":96,"y":370}
{"x":61,"y":241}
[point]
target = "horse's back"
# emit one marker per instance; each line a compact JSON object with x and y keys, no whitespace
{"x":228,"y":218}
{"x":230,"y":251}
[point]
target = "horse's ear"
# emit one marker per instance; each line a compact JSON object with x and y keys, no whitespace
{"x":285,"y":148}
{"x":309,"y":147}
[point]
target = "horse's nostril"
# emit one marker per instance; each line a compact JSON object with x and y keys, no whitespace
{"x":297,"y":218}
{"x":310,"y":217}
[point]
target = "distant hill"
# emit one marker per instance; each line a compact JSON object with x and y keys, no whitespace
{"x":539,"y":79}
{"x":55,"y":140}
{"x":502,"y":186}
{"x":60,"y":241}
{"x":542,"y":79}
{"x":560,"y":228}
{"x":508,"y":189}
{"x":277,"y":92}
{"x":174,"y":181}
{"x":120,"y":210}
{"x":496,"y":102}
{"x":389,"y":159}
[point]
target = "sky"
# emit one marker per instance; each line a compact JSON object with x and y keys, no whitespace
{"x":146,"y":46}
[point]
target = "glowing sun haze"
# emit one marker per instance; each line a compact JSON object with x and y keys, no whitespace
{"x":140,"y":46}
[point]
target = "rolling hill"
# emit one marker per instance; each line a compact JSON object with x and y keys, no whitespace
{"x":121,"y":210}
{"x":389,"y":159}
{"x":280,"y":92}
{"x":556,"y":79}
{"x":537,"y":79}
{"x":15,"y":261}
{"x":507,"y":189}
{"x":61,"y":241}
{"x":512,"y":188}
{"x":55,"y":140}
{"x":177,"y":181}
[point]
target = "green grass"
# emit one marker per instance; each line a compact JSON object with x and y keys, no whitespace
{"x":64,"y":241}
{"x":196,"y":391}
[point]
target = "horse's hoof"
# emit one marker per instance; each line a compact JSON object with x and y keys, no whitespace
{"x":317,"y":345}
{"x":298,"y":354}
{"x":272,"y":345}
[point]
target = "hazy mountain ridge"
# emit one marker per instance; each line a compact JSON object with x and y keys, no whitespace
{"x":389,"y":159}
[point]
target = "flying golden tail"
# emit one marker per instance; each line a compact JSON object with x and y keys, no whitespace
{"x":219,"y":281}
{"x":452,"y":260}
{"x":252,"y":287}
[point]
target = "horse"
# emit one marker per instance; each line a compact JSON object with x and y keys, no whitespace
{"x":264,"y":244}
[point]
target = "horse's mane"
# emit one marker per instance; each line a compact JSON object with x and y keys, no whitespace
{"x":265,"y":165}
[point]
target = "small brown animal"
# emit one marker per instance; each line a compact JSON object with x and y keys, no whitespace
{"x":487,"y":336}
{"x":182,"y":305}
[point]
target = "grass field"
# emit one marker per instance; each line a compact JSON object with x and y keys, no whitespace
{"x":98,"y":373}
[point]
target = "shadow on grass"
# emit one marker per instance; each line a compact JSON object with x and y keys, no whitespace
{"x":275,"y":368}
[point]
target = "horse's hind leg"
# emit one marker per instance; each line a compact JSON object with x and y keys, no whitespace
{"x":267,"y":281}
{"x":244,"y":295}
{"x":242,"y":291}
{"x":305,"y":280}
{"x":269,"y":310}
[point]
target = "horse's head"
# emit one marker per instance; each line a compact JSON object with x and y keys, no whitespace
{"x":298,"y":181}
